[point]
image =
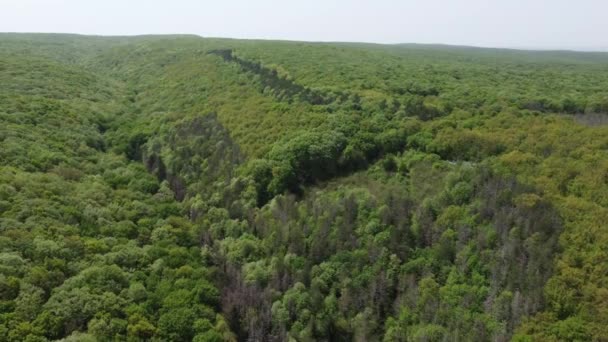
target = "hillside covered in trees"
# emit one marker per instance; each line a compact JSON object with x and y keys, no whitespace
{"x":179,"y":188}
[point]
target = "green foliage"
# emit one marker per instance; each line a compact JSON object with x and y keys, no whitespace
{"x":179,"y":188}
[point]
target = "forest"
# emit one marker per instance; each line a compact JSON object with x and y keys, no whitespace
{"x":179,"y":188}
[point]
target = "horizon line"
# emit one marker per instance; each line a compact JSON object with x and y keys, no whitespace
{"x":457,"y":45}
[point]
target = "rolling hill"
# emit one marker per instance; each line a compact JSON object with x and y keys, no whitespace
{"x":185,"y":188}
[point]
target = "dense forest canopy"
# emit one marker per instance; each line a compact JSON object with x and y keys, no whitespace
{"x":180,"y":188}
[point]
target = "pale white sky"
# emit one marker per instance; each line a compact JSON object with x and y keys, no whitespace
{"x":540,"y":24}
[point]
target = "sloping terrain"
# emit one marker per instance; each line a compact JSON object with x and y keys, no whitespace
{"x":182,"y":188}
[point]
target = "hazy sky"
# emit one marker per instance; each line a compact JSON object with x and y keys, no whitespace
{"x":543,"y":24}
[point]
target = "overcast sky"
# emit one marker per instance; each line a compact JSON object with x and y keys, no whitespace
{"x":539,"y":24}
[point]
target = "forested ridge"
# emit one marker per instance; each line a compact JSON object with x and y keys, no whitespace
{"x":179,"y":188}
